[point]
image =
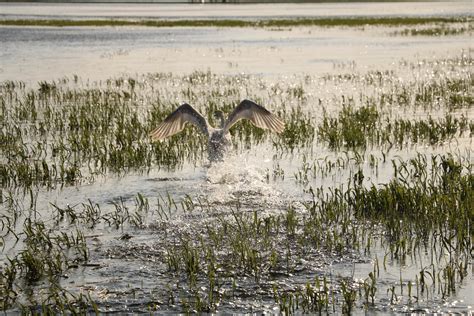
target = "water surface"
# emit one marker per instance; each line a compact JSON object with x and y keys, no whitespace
{"x":329,"y":66}
{"x":237,"y":11}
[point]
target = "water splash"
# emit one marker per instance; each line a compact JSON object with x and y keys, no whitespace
{"x":239,"y":179}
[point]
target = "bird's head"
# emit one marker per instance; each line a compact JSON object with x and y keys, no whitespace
{"x":219,"y":116}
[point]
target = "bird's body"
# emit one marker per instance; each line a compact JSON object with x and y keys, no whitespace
{"x":218,"y":144}
{"x":218,"y":138}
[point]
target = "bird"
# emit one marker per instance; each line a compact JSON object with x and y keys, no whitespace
{"x":218,"y":138}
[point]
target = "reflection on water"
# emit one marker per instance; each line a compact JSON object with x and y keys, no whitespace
{"x":31,"y":53}
{"x":34,"y":53}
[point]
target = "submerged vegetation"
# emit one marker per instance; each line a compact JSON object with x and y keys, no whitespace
{"x":364,"y":182}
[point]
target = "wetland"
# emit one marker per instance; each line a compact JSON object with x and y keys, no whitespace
{"x":364,"y":203}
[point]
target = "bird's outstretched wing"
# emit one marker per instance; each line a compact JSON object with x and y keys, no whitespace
{"x":176,"y":121}
{"x":257,"y":114}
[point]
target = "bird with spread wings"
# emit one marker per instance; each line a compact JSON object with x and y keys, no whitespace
{"x":218,"y":138}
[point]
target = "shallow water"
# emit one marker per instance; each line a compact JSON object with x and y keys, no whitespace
{"x":34,"y":53}
{"x":127,"y":271}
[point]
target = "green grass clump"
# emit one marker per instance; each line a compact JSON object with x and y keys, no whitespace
{"x":421,"y":198}
{"x":455,"y":93}
{"x":351,"y":129}
{"x":45,"y":257}
{"x":358,"y":128}
{"x":433,"y":131}
{"x":299,"y":131}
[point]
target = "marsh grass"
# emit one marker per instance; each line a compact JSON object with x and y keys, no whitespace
{"x":380,"y":119}
{"x":439,"y":29}
{"x":45,"y":257}
{"x":51,"y":138}
{"x":427,"y":202}
{"x":324,"y":22}
{"x":427,"y":207}
{"x":358,"y":128}
{"x":351,"y":128}
{"x":66,"y":132}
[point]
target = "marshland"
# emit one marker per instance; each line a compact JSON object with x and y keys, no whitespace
{"x":363,"y":204}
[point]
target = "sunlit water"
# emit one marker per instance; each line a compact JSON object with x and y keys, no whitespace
{"x":127,"y":271}
{"x":31,"y":53}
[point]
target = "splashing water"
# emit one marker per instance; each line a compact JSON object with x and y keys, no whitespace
{"x":237,"y":178}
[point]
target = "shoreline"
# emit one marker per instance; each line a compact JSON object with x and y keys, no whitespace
{"x":243,"y":23}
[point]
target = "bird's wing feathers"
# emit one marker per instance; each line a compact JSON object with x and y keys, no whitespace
{"x":176,"y":121}
{"x":257,"y":114}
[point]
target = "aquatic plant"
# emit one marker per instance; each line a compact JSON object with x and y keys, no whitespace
{"x":363,"y":191}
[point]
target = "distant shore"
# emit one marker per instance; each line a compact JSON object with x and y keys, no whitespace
{"x":208,"y":1}
{"x":323,"y":22}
